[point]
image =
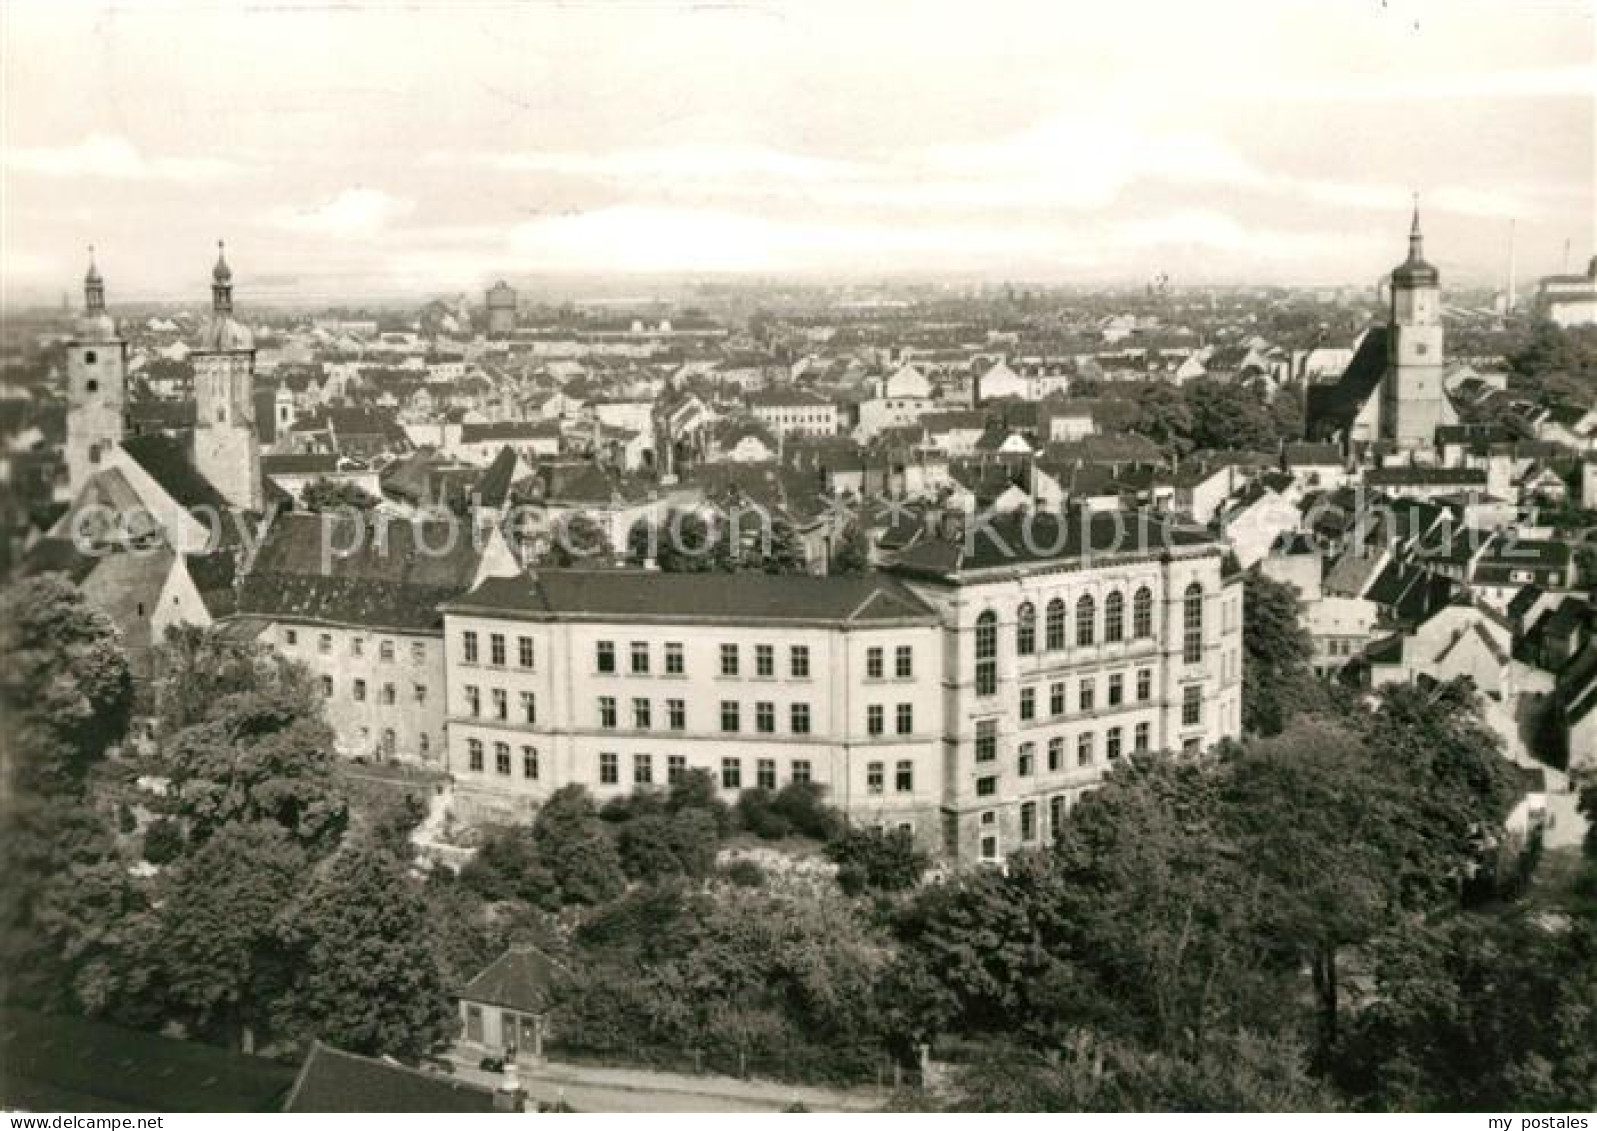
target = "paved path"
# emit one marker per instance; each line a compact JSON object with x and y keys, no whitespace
{"x":588,"y":1087}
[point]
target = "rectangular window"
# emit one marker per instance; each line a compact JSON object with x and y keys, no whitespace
{"x":642,"y":769}
{"x":875,"y":777}
{"x":986,"y":787}
{"x":496,"y":649}
{"x":1084,"y":749}
{"x":904,"y":777}
{"x":1028,"y":821}
{"x":765,"y":773}
{"x":873,"y":719}
{"x":609,"y":769}
{"x":731,"y":773}
{"x":729,"y":659}
{"x":1057,"y":807}
{"x":801,"y":769}
{"x":502,"y":758}
{"x":501,"y":703}
{"x":640,"y":658}
{"x":604,"y":656}
{"x":385,"y":651}
{"x":1056,"y":754}
{"x":290,"y":637}
{"x":906,"y":718}
{"x":1028,"y":704}
{"x":1056,"y":699}
{"x":675,"y":766}
{"x":468,"y":647}
{"x":676,"y":714}
{"x":1144,"y":685}
{"x":474,"y":754}
{"x":801,"y":718}
{"x":764,"y":661}
{"x":524,"y":652}
{"x":418,"y":652}
{"x":1026,"y":761}
{"x":529,"y":763}
{"x":799,"y":661}
{"x":360,"y":691}
{"x":327,"y":687}
{"x":419,"y":692}
{"x":1112,"y":744}
{"x":1139,"y":738}
{"x":529,"y":708}
{"x":987,"y":740}
{"x":324,"y":643}
{"x":729,"y":716}
{"x":903,"y":661}
{"x":473,"y":701}
{"x":641,"y":714}
{"x":607,"y":712}
{"x":1191,"y":705}
{"x":387,"y":695}
{"x":873,"y":663}
{"x":1117,"y":689}
{"x":357,"y":645}
{"x":673,"y":659}
{"x":1087,"y":693}
{"x":765,"y":718}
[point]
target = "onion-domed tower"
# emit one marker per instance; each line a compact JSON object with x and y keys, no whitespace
{"x":1412,"y":398}
{"x":96,"y":384}
{"x":226,"y":445}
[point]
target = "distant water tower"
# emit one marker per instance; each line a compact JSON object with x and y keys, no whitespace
{"x":501,"y":309}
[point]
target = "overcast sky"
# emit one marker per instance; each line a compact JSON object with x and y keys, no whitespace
{"x":387,"y":147}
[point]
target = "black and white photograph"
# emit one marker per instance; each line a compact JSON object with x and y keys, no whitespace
{"x":849,"y":557}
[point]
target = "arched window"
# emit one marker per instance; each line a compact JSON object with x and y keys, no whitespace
{"x":1114,"y":618}
{"x":987,"y":653}
{"x":1192,"y":624}
{"x":1086,"y":620}
{"x":1026,"y":630}
{"x":1142,"y":614}
{"x":1055,"y":638}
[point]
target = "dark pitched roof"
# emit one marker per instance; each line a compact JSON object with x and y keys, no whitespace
{"x":511,"y":430}
{"x":631,"y":594}
{"x":334,"y":1081}
{"x":61,"y":1063}
{"x":392,"y":579}
{"x":1331,"y":409}
{"x":493,"y":489}
{"x":1014,"y":540}
{"x":1425,"y":477}
{"x":166,"y":460}
{"x":519,"y":979}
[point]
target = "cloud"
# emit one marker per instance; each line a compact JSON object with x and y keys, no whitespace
{"x":353,"y":212}
{"x":694,"y":162}
{"x":114,"y":158}
{"x":1546,"y":82}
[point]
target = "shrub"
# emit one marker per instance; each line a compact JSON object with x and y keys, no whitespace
{"x":803,"y":804}
{"x":163,"y":841}
{"x":744,"y":874}
{"x":877,"y":860}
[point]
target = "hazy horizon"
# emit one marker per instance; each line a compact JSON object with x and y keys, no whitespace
{"x":390,"y":150}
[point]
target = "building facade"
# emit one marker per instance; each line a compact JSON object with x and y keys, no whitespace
{"x":97,"y":360}
{"x":966,"y":695}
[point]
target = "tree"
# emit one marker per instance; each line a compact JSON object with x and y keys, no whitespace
{"x":221,"y":970}
{"x":690,"y":542}
{"x":261,"y":756}
{"x":364,"y":978}
{"x":1163,"y":415}
{"x":573,"y":848}
{"x":324,"y":494}
{"x":1228,"y":417}
{"x":65,"y":685}
{"x":852,"y":554}
{"x":197,"y":669}
{"x":874,"y":859}
{"x":578,"y":537}
{"x":1277,"y":680}
{"x":697,"y":789}
{"x":656,"y":845}
{"x":506,"y":865}
{"x":781,"y":552}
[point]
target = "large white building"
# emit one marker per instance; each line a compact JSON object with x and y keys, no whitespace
{"x":971,"y":693}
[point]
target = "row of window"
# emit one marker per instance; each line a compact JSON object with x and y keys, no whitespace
{"x":387,"y":694}
{"x":1086,"y":694}
{"x":499,"y":704}
{"x":640,"y":659}
{"x":903,"y":777}
{"x":470,"y":651}
{"x":987,"y":736}
{"x":357,"y":646}
{"x":876,"y":719}
{"x":502,"y":759}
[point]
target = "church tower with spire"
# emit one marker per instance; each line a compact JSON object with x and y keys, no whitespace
{"x":96,"y":384}
{"x":226,"y":445}
{"x":1413,"y":403}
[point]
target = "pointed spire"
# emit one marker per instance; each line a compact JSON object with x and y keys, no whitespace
{"x":1416,"y":239}
{"x":221,"y":282}
{"x":93,"y":287}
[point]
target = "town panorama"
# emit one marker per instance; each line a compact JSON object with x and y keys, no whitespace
{"x":780,"y":679}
